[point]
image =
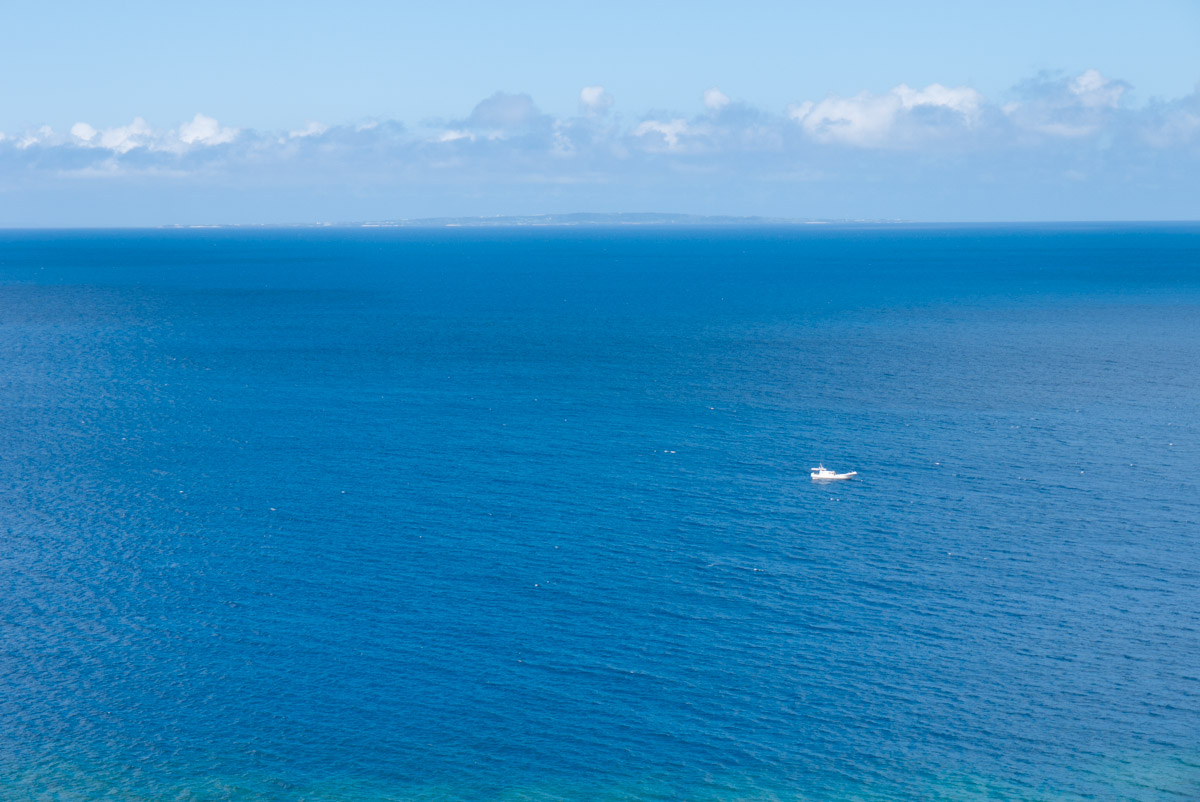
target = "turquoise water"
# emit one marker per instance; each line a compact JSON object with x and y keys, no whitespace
{"x":525,"y":514}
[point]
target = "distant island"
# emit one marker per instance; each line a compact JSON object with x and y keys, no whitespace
{"x":576,"y":219}
{"x":594,"y":219}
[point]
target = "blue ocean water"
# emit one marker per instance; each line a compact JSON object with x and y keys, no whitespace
{"x":524,"y":514}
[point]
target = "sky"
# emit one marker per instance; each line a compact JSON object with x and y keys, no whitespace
{"x":151,"y":113}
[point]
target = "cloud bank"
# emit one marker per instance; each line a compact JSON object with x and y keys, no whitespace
{"x":1059,"y":147}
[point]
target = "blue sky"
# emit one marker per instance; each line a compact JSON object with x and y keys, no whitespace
{"x":300,"y":112}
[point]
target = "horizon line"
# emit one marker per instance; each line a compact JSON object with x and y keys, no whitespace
{"x":597,"y":220}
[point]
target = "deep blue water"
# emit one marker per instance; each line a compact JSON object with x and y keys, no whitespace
{"x":525,"y":514}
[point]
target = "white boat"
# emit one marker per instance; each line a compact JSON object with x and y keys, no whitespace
{"x":822,"y":474}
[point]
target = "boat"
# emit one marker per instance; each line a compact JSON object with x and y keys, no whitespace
{"x":823,"y":474}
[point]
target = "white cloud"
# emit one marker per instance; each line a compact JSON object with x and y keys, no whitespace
{"x":310,"y":129}
{"x":670,"y":131}
{"x":503,"y":111}
{"x":201,"y":130}
{"x":962,"y":99}
{"x":83,"y":132}
{"x":1067,"y":108}
{"x":127,"y":137}
{"x":870,"y":120}
{"x":563,"y":144}
{"x":595,"y":99}
{"x":1096,"y":91}
{"x":204,"y":130}
{"x":39,"y":137}
{"x":715,"y":99}
{"x":1173,"y":123}
{"x":1177,"y":129}
{"x":726,"y":146}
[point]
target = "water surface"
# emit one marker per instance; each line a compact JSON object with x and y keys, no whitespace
{"x":525,"y":514}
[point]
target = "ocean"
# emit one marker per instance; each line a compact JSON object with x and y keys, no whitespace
{"x":524,"y":514}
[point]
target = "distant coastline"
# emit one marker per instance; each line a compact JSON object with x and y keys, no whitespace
{"x":630,"y":220}
{"x":576,"y":219}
